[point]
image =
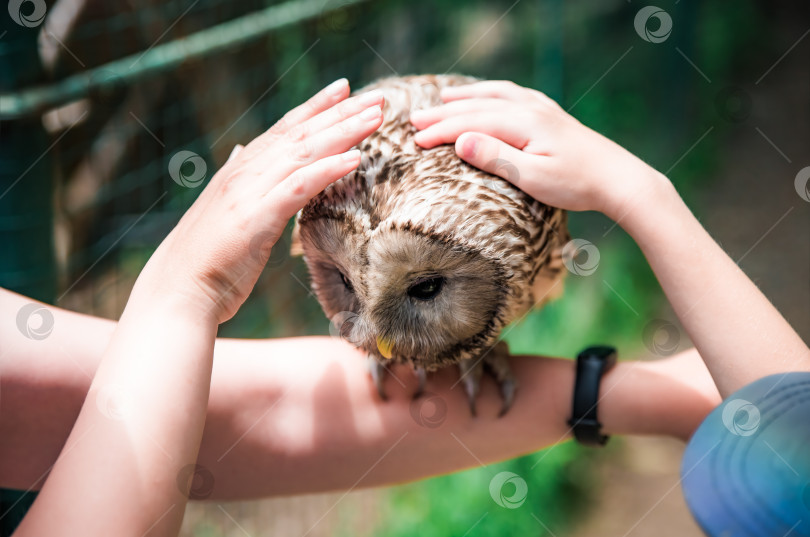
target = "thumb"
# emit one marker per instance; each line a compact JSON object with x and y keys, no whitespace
{"x":493,"y":156}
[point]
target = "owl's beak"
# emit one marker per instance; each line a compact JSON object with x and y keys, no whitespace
{"x":385,"y":346}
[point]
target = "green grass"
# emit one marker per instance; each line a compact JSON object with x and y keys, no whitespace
{"x":461,"y":504}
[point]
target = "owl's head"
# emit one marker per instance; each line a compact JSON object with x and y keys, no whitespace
{"x":403,"y":293}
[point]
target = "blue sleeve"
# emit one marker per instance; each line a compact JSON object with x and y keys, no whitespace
{"x":746,"y":471}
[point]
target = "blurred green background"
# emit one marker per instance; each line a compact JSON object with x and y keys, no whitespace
{"x":100,"y":95}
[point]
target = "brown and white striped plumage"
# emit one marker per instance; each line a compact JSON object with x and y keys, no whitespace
{"x":409,"y":214}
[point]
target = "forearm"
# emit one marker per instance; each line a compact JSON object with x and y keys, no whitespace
{"x":300,"y":415}
{"x":140,"y":423}
{"x":735,"y":328}
{"x":316,"y":424}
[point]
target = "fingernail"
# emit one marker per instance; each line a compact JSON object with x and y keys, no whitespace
{"x":336,"y":87}
{"x":353,"y":154}
{"x":416,"y":114}
{"x":469,"y":146}
{"x":371,"y":113}
{"x":235,"y":151}
{"x":371,"y":97}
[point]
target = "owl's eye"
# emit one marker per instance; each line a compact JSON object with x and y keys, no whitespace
{"x":346,"y":283}
{"x":426,"y":289}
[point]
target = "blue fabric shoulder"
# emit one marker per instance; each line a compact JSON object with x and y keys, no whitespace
{"x":746,"y":471}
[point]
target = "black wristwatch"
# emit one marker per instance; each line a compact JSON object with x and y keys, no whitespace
{"x":592,"y":364}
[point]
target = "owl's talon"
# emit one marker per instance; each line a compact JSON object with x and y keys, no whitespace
{"x":507,"y":389}
{"x":471,"y":387}
{"x":497,"y":361}
{"x":421,"y":377}
{"x":471,"y":370}
{"x":377,"y":371}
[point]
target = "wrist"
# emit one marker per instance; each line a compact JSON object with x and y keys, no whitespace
{"x":659,"y":397}
{"x":632,"y":401}
{"x":163,"y":296}
{"x":643,"y":193}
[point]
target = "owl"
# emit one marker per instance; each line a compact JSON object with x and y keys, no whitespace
{"x":419,"y":258}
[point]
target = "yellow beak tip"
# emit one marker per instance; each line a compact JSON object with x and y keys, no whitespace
{"x":385,"y":347}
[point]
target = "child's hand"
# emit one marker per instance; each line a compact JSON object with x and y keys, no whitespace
{"x":214,"y":256}
{"x":560,"y":161}
{"x":737,"y":331}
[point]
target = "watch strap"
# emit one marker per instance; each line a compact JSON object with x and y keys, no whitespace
{"x":592,"y":364}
